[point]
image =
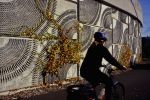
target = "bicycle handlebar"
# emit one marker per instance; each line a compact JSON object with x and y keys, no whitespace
{"x":108,"y":69}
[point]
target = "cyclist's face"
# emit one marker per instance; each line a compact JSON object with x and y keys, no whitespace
{"x":102,"y":42}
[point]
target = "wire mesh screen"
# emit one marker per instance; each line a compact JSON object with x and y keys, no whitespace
{"x":18,"y":54}
{"x":125,"y":37}
{"x":123,"y":17}
{"x":17,"y":60}
{"x":89,"y":11}
{"x":17,"y":15}
{"x":117,"y":31}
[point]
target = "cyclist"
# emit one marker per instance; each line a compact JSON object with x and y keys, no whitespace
{"x":93,"y":61}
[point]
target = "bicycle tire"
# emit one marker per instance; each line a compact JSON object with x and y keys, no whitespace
{"x":118,"y":91}
{"x":100,"y":92}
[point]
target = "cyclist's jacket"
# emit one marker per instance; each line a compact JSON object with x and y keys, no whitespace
{"x":93,"y":59}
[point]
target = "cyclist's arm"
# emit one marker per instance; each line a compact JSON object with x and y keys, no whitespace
{"x":112,"y":60}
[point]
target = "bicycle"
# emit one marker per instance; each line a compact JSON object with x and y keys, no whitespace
{"x":86,"y":92}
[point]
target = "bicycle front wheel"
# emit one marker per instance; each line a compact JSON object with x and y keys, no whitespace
{"x":118,"y":91}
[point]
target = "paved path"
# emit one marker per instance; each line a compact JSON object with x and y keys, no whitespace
{"x":136,"y":82}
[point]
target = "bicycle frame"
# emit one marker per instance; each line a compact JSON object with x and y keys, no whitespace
{"x":76,"y":92}
{"x":115,"y":84}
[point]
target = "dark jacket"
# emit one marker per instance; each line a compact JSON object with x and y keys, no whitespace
{"x":93,"y":59}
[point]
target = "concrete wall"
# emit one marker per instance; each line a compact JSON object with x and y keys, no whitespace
{"x":18,"y":61}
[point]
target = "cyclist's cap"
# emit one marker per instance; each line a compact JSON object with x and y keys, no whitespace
{"x":100,"y":36}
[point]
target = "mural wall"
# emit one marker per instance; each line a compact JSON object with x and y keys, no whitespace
{"x":20,"y":55}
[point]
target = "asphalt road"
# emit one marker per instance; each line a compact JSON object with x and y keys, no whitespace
{"x":136,"y":82}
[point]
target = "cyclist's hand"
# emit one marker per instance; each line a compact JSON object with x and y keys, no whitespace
{"x":124,"y":69}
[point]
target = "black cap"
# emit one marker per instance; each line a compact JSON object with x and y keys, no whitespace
{"x":100,"y":36}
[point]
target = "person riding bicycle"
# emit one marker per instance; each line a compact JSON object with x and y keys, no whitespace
{"x":93,"y":61}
